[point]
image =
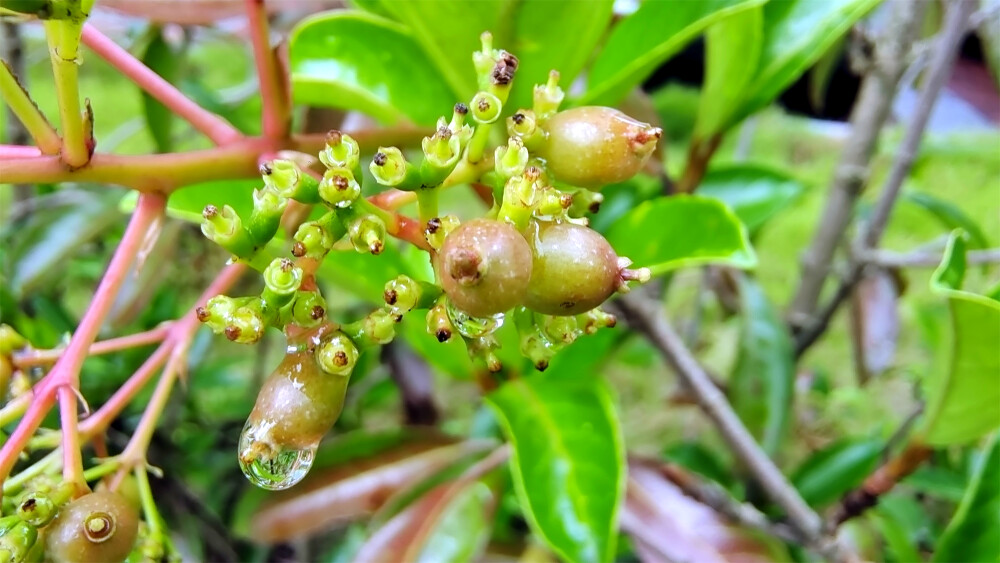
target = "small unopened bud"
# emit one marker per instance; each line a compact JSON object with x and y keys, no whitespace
{"x":246,"y":325}
{"x":442,"y":151}
{"x":224,"y":227}
{"x":438,"y":323}
{"x":380,"y":326}
{"x":457,"y":124}
{"x":552,"y":203}
{"x":548,"y":97}
{"x":438,"y":229}
{"x":37,"y":509}
{"x":367,"y":234}
{"x":594,"y":319}
{"x":289,"y":181}
{"x":341,"y":151}
{"x":339,"y":187}
{"x":313,"y":240}
{"x":217,"y":311}
{"x":485,"y":107}
{"x":268,"y":206}
{"x":586,"y":201}
{"x":337,"y":354}
{"x":282,"y":279}
{"x":390,"y":168}
{"x":309,"y":309}
{"x":511,"y":159}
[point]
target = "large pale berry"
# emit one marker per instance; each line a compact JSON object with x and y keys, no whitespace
{"x":101,"y":526}
{"x":574,"y":269}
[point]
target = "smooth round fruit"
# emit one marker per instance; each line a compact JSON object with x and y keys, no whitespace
{"x":574,"y":269}
{"x":298,"y":403}
{"x":592,"y":146}
{"x":484,"y":267}
{"x":100,"y":526}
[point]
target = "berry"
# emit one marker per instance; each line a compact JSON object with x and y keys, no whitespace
{"x":574,"y":270}
{"x":591,"y":147}
{"x":484,"y":267}
{"x":100,"y":526}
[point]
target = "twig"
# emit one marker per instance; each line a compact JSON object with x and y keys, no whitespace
{"x":881,"y":482}
{"x":30,"y":358}
{"x":212,"y":126}
{"x":274,"y":110}
{"x":870,"y":114}
{"x":923,"y":259}
{"x":647,"y":318}
{"x":948,"y":43}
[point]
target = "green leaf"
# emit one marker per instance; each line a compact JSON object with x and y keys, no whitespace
{"x":701,"y":460}
{"x":668,"y":233}
{"x":755,"y":193}
{"x":963,"y":401}
{"x":568,"y":461}
{"x":974,"y":532}
{"x":829,"y":473}
{"x":162,"y":60}
{"x":732,"y":52}
{"x":760,"y":386}
{"x":188,"y":203}
{"x":359,"y":61}
{"x":647,"y":38}
{"x":949,"y":215}
{"x":894,"y":532}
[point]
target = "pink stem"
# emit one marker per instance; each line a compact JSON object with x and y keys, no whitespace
{"x":42,"y":357}
{"x":67,"y":369}
{"x":214,"y":127}
{"x":18,"y":151}
{"x":72,"y":459}
{"x":274,"y":114}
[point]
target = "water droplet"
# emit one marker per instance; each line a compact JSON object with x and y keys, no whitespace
{"x":270,"y":467}
{"x":473,"y":327}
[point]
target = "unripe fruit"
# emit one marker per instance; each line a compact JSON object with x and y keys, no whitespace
{"x":485,"y":267}
{"x":574,"y":269}
{"x":594,"y":146}
{"x":298,"y":403}
{"x":100,"y":526}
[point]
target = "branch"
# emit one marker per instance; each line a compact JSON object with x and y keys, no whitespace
{"x":212,"y":126}
{"x":63,"y":38}
{"x":947,"y":45}
{"x":881,"y":482}
{"x":867,"y":119}
{"x":27,"y":112}
{"x":30,"y":358}
{"x":275,"y":105}
{"x":924,"y":259}
{"x":645,"y":317}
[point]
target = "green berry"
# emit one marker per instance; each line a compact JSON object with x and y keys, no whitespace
{"x":484,"y":267}
{"x":100,"y":526}
{"x":591,"y":147}
{"x":574,"y":269}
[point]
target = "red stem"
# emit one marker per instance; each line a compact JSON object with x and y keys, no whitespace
{"x":42,"y":357}
{"x":214,"y":127}
{"x":66,"y":372}
{"x":274,"y":114}
{"x":18,"y":151}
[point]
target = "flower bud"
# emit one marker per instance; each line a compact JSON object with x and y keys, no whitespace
{"x":403,"y":294}
{"x":226,"y":229}
{"x":439,"y":323}
{"x":309,"y":309}
{"x":511,"y":159}
{"x":337,"y":354}
{"x":339,"y":188}
{"x":341,"y":151}
{"x":523,"y":125}
{"x":314,"y":239}
{"x":268,"y":206}
{"x":287,"y":178}
{"x":379,"y":326}
{"x":37,"y":509}
{"x":594,"y":319}
{"x":585,"y":201}
{"x":438,"y":229}
{"x":457,"y":124}
{"x":246,"y":325}
{"x":390,"y":168}
{"x":548,"y":97}
{"x":442,"y":151}
{"x":367,"y":234}
{"x":216,"y":312}
{"x":282,"y":279}
{"x":485,"y":108}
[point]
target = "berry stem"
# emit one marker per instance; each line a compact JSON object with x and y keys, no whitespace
{"x":274,"y":101}
{"x":150,"y":513}
{"x":63,"y":38}
{"x":72,"y":459}
{"x":27,"y":112}
{"x":67,"y":370}
{"x":212,"y":126}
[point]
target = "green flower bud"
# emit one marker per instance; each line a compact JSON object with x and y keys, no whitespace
{"x":511,"y":159}
{"x":246,"y":325}
{"x":442,"y":151}
{"x":485,"y":108}
{"x":226,"y":229}
{"x":367,"y":234}
{"x":17,"y":540}
{"x":438,"y":229}
{"x":594,"y":319}
{"x":339,"y":188}
{"x":520,"y":195}
{"x":337,"y":354}
{"x":282,"y":279}
{"x":287,"y":178}
{"x":552,"y":203}
{"x":309,"y":309}
{"x":314,"y":239}
{"x":404,"y":294}
{"x":482,"y":348}
{"x":10,"y":340}
{"x":438,"y":322}
{"x":585,"y":201}
{"x":37,"y":509}
{"x":547,"y":97}
{"x":457,"y":124}
{"x":216,"y":312}
{"x":268,"y":206}
{"x":390,"y":168}
{"x":484,"y":59}
{"x":523,"y":125}
{"x":341,"y":151}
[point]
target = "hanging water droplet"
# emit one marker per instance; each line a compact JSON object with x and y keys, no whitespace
{"x":271,"y":467}
{"x":473,"y":327}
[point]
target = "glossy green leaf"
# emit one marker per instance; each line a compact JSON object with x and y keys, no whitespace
{"x":897,"y":541}
{"x":701,"y":460}
{"x":359,"y":61}
{"x":585,"y":355}
{"x":732,"y":52}
{"x":761,"y":384}
{"x":974,"y":531}
{"x":829,"y":473}
{"x":949,"y":215}
{"x":162,"y":59}
{"x":755,"y":193}
{"x":644,"y":40}
{"x":568,"y":461}
{"x":963,"y":401}
{"x":674,"y":232}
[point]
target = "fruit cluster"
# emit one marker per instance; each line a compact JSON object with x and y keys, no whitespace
{"x":531,"y":256}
